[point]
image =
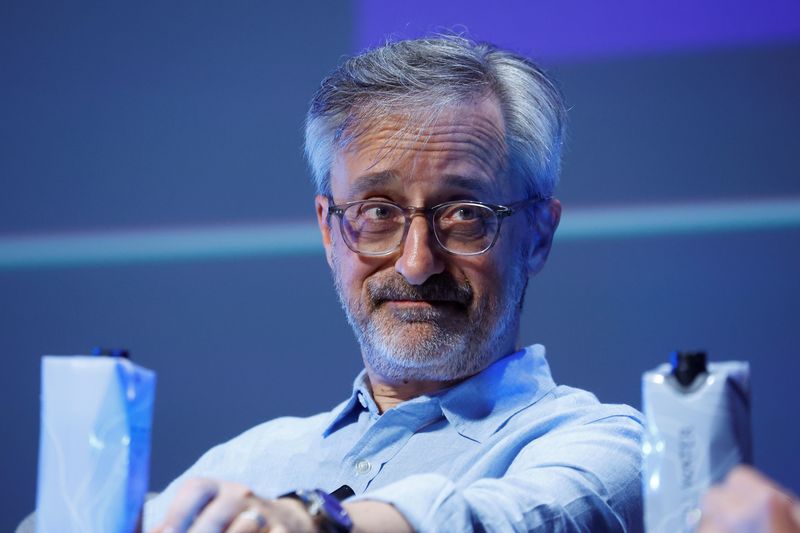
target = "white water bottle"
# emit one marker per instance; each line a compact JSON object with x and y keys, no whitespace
{"x":697,"y":429}
{"x":94,"y":445}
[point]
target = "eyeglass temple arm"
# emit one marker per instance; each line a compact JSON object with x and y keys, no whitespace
{"x":513,"y":207}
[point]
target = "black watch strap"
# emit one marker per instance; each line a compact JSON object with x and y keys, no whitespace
{"x":325,"y":509}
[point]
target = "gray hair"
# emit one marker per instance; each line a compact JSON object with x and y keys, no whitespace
{"x":423,"y":77}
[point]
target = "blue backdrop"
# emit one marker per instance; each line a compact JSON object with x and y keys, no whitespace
{"x":137,"y":142}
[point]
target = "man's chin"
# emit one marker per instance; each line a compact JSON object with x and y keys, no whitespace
{"x":405,"y":364}
{"x":416,"y":350}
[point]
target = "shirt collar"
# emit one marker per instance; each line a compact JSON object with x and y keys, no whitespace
{"x":478,"y":406}
{"x":360,"y":400}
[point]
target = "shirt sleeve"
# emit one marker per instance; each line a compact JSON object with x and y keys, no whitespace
{"x":582,"y":478}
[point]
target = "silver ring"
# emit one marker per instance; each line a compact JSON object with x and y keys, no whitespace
{"x":255,"y":516}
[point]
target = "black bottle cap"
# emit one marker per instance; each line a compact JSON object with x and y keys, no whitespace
{"x":111,"y":352}
{"x":688,"y":365}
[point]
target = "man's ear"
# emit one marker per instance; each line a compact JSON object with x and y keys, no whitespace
{"x":547,"y":217}
{"x":321,"y":203}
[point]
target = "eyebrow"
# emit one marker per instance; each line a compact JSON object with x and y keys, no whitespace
{"x":470,"y":183}
{"x":376,"y":180}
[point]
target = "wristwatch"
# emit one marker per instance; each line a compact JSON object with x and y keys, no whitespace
{"x":327,"y":513}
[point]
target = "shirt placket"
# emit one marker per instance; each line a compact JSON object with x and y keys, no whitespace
{"x":382,"y":441}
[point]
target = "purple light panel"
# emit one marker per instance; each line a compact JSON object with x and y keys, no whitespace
{"x":559,"y":30}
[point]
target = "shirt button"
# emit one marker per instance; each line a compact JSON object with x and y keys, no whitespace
{"x":363,"y":467}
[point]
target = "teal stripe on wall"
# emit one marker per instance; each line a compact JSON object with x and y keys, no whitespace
{"x":285,"y":239}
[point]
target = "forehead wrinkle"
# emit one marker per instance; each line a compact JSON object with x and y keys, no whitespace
{"x":466,"y":140}
{"x":388,"y":178}
{"x":479,"y":145}
{"x":482,"y":133}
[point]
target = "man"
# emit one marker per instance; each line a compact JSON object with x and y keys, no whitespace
{"x":749,"y":501}
{"x":435,"y":162}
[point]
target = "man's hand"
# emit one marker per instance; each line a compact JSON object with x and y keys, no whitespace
{"x":211,"y":506}
{"x":747,"y":501}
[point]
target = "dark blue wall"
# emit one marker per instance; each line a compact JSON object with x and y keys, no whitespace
{"x":174,"y":116}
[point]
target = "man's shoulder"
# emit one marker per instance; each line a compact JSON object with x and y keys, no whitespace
{"x":273,"y":436}
{"x":566,"y":409}
{"x":285,"y":428}
{"x":583,"y":405}
{"x":526,"y":402}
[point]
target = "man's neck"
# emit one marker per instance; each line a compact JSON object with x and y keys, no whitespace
{"x":388,"y":394}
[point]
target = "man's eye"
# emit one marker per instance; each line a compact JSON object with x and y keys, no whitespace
{"x":376,"y":212}
{"x":465,"y":212}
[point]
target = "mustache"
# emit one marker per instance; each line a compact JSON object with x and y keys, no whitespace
{"x":439,"y":287}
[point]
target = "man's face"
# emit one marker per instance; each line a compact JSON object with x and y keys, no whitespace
{"x":422,"y":313}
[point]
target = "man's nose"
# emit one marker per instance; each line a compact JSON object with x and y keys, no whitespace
{"x":422,"y":256}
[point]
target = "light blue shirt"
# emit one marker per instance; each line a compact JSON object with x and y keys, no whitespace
{"x":506,"y":450}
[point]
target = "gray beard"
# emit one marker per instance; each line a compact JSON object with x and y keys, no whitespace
{"x":432,"y":344}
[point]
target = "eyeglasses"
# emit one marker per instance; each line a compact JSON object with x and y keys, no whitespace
{"x":379,"y":227}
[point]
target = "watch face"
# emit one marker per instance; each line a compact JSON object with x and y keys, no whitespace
{"x":334,"y":511}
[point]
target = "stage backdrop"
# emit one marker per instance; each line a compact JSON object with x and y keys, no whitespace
{"x":154,"y":197}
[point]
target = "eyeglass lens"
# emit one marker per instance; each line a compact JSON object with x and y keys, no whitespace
{"x":378,"y":227}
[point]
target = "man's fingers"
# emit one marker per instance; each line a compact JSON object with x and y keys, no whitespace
{"x":218,"y":515}
{"x":204,"y":506}
{"x":746,"y":479}
{"x":251,"y":520}
{"x":748,"y":501}
{"x":208,"y":506}
{"x":190,"y":499}
{"x":715,"y":510}
{"x":231,"y":499}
